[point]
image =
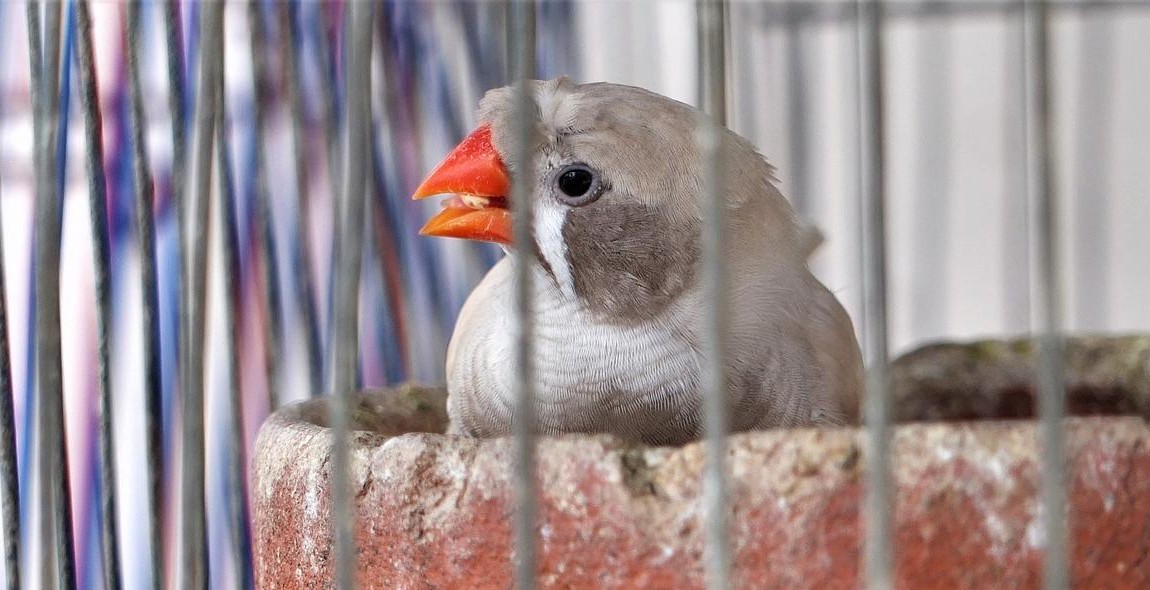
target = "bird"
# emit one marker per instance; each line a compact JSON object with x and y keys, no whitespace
{"x":615,"y":259}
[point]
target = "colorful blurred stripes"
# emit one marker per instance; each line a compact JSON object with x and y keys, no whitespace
{"x":433,"y":61}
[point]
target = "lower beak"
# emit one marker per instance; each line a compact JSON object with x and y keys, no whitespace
{"x":474,"y":172}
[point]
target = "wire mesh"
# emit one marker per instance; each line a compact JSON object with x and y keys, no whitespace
{"x":275,"y":147}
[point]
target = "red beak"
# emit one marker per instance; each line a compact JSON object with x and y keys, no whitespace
{"x":472,"y":169}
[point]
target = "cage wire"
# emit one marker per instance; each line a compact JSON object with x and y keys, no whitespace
{"x":206,"y":216}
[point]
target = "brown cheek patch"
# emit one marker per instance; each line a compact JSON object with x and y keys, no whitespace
{"x":629,"y":261}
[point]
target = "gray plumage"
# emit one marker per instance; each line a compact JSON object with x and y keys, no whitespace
{"x":618,"y":303}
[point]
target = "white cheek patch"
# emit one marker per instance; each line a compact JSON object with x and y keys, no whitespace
{"x":549,"y":219}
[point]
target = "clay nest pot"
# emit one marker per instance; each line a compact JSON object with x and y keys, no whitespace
{"x":436,"y":511}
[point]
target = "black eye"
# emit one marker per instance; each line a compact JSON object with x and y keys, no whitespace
{"x":578,"y":184}
{"x":575,"y":182}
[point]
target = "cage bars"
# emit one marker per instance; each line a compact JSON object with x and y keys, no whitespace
{"x":712,"y":85}
{"x":54,"y":517}
{"x":1046,"y":295}
{"x":101,"y":263}
{"x":346,"y":309}
{"x":193,"y":508}
{"x":879,"y":503}
{"x":521,"y":65}
{"x":57,"y":567}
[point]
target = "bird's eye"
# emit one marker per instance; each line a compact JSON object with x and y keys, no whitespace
{"x":577,"y":184}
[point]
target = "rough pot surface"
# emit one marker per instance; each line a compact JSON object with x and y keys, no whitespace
{"x":435,"y":511}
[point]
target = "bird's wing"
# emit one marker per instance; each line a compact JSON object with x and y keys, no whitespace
{"x":832,"y":337}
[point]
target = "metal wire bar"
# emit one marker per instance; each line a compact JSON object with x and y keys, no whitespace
{"x":711,"y":35}
{"x":225,"y":226}
{"x":521,"y":61}
{"x":9,"y":477}
{"x":145,"y":228}
{"x":177,"y":105}
{"x":39,"y":128}
{"x":101,"y":253}
{"x":264,"y":224}
{"x":58,"y":568}
{"x":289,"y":44}
{"x":879,"y":498}
{"x":193,"y":540}
{"x":1046,"y":290}
{"x":346,"y":335}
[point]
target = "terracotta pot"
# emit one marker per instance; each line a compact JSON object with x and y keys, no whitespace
{"x":436,"y":512}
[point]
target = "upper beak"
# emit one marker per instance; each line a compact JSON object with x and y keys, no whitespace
{"x":474,"y":172}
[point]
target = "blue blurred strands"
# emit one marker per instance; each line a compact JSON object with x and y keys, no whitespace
{"x":256,"y":190}
{"x":232,"y":483}
{"x":25,"y":432}
{"x":412,"y":286}
{"x":9,"y":477}
{"x":145,"y":228}
{"x":331,"y":62}
{"x":288,"y":43}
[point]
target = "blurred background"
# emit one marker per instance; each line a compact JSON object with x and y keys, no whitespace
{"x":958,"y":219}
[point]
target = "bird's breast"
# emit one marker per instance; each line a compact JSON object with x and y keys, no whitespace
{"x":639,"y":382}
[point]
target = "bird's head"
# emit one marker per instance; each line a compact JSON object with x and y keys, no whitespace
{"x":618,"y":191}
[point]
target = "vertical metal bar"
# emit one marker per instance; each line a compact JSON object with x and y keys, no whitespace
{"x":56,"y":504}
{"x":39,"y":128}
{"x":177,"y":99}
{"x":346,"y":336}
{"x":9,"y":477}
{"x":193,"y":540}
{"x":264,"y":224}
{"x":289,"y":43}
{"x":1046,"y":290}
{"x":101,"y":253}
{"x":521,"y":61}
{"x":713,"y":101}
{"x":879,"y":500}
{"x":145,"y":227}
